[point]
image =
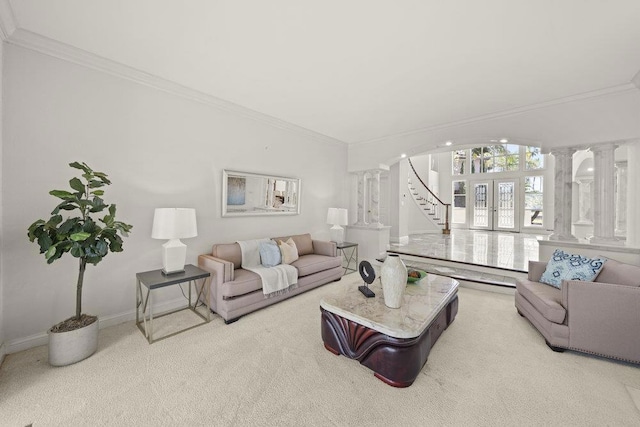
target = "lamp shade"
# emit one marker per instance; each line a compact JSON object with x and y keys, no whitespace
{"x":174,"y":223}
{"x":337,"y":216}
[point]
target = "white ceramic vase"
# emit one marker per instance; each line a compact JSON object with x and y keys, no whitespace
{"x":394,"y":280}
{"x":70,"y":347}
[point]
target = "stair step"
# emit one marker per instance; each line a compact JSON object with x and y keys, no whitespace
{"x":436,"y":219}
{"x":431,"y":213}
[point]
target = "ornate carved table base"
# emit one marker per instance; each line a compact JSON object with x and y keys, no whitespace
{"x":396,"y":361}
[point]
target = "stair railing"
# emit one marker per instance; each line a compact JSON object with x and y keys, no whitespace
{"x":433,"y":207}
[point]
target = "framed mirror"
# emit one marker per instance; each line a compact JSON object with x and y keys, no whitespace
{"x":245,"y":194}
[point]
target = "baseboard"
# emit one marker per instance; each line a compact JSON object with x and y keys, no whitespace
{"x":31,"y":341}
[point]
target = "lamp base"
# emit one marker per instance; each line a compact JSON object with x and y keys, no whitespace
{"x":337,"y":234}
{"x":174,"y":254}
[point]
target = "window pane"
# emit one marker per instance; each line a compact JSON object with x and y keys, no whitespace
{"x":458,"y":210}
{"x":533,"y":197}
{"x":459,"y":187}
{"x":534,"y":158}
{"x":459,"y":159}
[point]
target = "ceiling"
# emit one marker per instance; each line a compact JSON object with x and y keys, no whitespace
{"x":360,"y":70}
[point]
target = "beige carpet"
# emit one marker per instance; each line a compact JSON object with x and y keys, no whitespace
{"x":270,"y":368}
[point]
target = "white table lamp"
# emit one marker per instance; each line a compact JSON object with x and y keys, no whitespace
{"x":337,"y":217}
{"x":174,"y":224}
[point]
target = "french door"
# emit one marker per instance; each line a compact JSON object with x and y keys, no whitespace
{"x":494,"y":205}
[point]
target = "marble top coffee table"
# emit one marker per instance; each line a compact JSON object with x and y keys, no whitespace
{"x":394,"y":343}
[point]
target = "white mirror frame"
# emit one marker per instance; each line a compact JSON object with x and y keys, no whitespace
{"x":250,"y":194}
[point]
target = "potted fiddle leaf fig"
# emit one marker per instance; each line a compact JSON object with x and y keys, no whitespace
{"x":76,"y":228}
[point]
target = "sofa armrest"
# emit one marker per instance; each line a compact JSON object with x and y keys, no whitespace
{"x":323,"y":247}
{"x":220,"y":268}
{"x":536,"y":268}
{"x":603,"y":318}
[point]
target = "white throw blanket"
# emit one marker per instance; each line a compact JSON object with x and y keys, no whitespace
{"x":275,"y":280}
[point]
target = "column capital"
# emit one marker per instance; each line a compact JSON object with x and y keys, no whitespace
{"x":563,"y":151}
{"x":607,"y":146}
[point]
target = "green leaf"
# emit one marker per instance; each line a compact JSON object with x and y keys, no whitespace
{"x":50,"y":252}
{"x":79,"y":237}
{"x":98,"y":192}
{"x":102,"y":248}
{"x":68,"y":225}
{"x":95,"y":184}
{"x":35,"y":229}
{"x":45,"y":241}
{"x":54,"y":221}
{"x":82,"y":166}
{"x":61,"y":194}
{"x":76,"y":250}
{"x":77,"y":185}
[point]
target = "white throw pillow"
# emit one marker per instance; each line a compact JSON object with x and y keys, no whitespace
{"x":289,"y":251}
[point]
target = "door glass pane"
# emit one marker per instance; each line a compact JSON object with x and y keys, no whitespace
{"x":459,"y":213}
{"x":480,"y":205}
{"x":506,"y":204}
{"x":533,"y":201}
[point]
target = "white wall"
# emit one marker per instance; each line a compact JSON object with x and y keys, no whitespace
{"x":2,"y":346}
{"x":159,"y":150}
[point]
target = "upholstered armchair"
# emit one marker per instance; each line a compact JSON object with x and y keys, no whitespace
{"x":600,"y":317}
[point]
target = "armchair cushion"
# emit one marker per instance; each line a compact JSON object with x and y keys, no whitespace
{"x":545,"y":299}
{"x":564,"y":266}
{"x":620,"y":273}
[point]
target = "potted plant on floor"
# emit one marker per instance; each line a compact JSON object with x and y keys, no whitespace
{"x":87,"y":239}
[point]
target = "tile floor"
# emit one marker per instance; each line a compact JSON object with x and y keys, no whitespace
{"x":506,"y":253}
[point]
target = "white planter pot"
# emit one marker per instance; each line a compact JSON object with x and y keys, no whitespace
{"x":394,"y":280}
{"x":70,"y":347}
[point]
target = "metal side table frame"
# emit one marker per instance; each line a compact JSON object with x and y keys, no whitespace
{"x":155,"y":279}
{"x":354,"y":252}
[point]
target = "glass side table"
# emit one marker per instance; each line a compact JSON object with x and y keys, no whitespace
{"x":349,"y":256}
{"x":155,"y":279}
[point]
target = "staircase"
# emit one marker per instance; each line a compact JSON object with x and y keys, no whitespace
{"x":431,"y":206}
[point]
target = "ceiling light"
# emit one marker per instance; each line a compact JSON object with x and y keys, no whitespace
{"x":589,"y":169}
{"x":448,"y":143}
{"x":403,"y":155}
{"x":504,"y":140}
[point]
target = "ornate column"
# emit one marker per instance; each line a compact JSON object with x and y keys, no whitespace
{"x":604,"y":215}
{"x":585,"y":212}
{"x":562,"y":194}
{"x":621,"y":198}
{"x":374,"y":199}
{"x":361,"y":220}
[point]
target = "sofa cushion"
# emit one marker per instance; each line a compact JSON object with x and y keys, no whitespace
{"x":565,"y":266}
{"x":309,"y":264}
{"x":619,"y":273}
{"x":228,"y":252}
{"x":289,"y":251}
{"x":270,"y":255}
{"x":544,"y":298}
{"x":244,"y":282}
{"x":303,"y":243}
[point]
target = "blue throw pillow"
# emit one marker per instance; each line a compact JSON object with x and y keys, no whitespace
{"x":564,"y":266}
{"x":270,"y":254}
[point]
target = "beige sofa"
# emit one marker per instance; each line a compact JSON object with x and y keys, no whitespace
{"x":600,"y":317}
{"x":234,"y":291}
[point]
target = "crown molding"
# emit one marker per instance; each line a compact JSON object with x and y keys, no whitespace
{"x":36,"y":42}
{"x":8,"y":24}
{"x":511,"y":112}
